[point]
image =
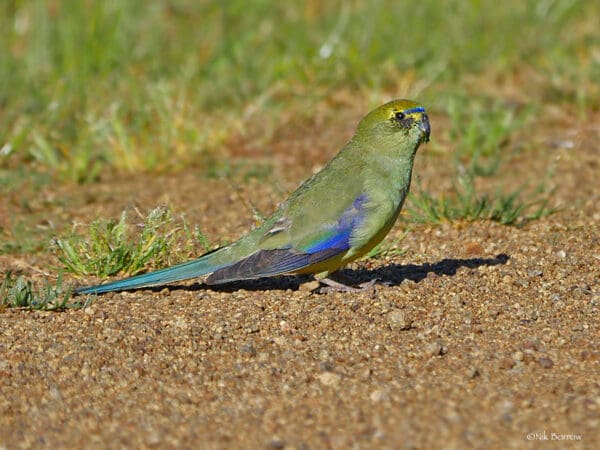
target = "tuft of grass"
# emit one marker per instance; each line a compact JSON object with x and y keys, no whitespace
{"x":465,"y":203}
{"x":111,"y":247}
{"x":483,"y":132}
{"x":18,"y":292}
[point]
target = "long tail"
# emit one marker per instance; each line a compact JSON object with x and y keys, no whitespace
{"x":184,"y":271}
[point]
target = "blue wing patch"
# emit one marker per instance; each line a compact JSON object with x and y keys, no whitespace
{"x":339,"y":237}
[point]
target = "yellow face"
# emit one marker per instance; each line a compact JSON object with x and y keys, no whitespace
{"x":396,"y":116}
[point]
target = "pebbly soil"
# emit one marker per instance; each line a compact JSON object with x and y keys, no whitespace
{"x":481,"y":335}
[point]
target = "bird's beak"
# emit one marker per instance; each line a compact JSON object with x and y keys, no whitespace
{"x":425,"y":128}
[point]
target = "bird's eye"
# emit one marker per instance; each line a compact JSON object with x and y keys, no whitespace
{"x":399,"y":116}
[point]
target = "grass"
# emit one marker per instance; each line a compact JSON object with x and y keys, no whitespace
{"x":109,"y":247}
{"x":132,"y":85}
{"x":18,"y":292}
{"x":466,"y":203}
{"x":488,"y":134}
{"x":483,"y":131}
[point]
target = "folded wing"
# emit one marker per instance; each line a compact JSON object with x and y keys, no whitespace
{"x":329,"y":242}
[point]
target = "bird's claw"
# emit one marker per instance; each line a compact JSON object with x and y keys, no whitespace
{"x":331,"y":285}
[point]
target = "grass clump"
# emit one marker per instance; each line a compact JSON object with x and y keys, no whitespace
{"x":465,"y":203}
{"x":483,"y":135}
{"x":18,"y":292}
{"x":111,"y":247}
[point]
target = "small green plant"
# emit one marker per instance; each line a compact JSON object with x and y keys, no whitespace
{"x":18,"y":292}
{"x":466,"y":203}
{"x":112,"y":247}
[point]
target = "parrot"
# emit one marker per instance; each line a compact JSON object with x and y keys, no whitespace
{"x":334,"y":217}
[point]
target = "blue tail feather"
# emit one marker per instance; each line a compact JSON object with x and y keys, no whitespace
{"x":183,"y":271}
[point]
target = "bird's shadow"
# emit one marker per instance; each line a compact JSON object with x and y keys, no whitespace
{"x":391,"y":275}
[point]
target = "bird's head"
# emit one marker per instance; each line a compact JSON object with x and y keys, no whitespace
{"x":398,"y":118}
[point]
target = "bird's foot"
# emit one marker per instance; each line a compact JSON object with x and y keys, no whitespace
{"x":335,"y":286}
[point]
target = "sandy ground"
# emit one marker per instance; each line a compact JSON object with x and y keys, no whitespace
{"x":482,"y":335}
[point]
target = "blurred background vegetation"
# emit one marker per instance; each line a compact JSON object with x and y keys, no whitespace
{"x":131,"y":85}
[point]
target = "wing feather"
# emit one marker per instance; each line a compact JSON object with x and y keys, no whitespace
{"x":267,"y":262}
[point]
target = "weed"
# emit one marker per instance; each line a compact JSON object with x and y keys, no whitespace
{"x":18,"y":292}
{"x":111,"y":247}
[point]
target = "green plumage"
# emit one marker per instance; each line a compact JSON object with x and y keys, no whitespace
{"x":334,"y":217}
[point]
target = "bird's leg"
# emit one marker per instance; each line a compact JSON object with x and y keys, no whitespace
{"x":334,"y":285}
{"x":337,"y":286}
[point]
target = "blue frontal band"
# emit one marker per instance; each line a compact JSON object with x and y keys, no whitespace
{"x":414,"y":110}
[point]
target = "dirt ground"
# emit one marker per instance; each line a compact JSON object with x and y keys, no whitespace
{"x":483,"y":335}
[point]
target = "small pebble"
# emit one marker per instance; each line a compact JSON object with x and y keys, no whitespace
{"x":434,"y":349}
{"x":329,"y":379}
{"x":248,"y":349}
{"x":378,"y":395}
{"x":399,"y":320}
{"x":152,"y":437}
{"x":473,"y":372}
{"x":507,"y":363}
{"x":587,"y":355}
{"x":309,"y":286}
{"x":276,"y":444}
{"x":546,"y":363}
{"x":473,"y":248}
